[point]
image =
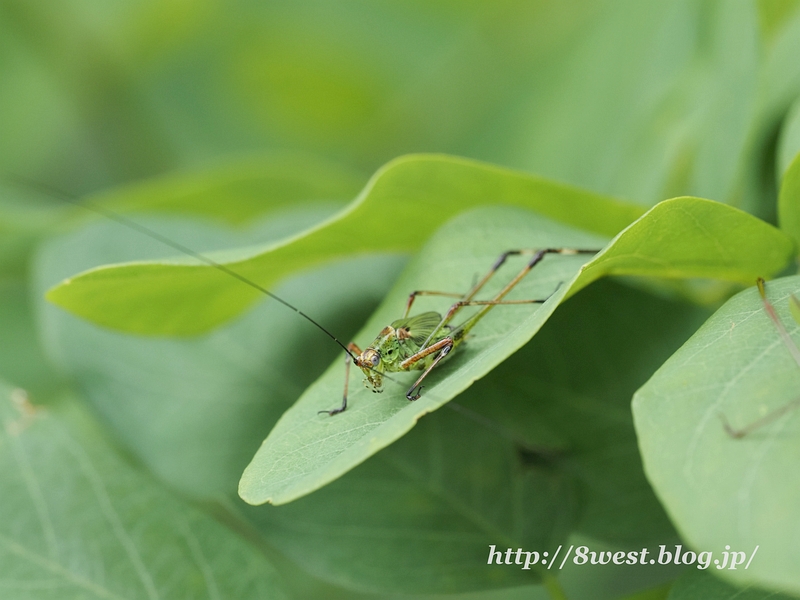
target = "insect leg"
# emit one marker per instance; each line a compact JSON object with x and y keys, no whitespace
{"x":795,"y":352}
{"x":765,"y":420}
{"x":770,"y":310}
{"x":352,"y":350}
{"x":443,"y":347}
{"x":538,"y":255}
{"x":413,"y":295}
{"x":448,"y":343}
{"x":462,"y":329}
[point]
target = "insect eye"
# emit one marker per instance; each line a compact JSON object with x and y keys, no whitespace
{"x":375,"y":360}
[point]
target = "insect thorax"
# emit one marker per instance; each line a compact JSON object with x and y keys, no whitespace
{"x":398,"y":342}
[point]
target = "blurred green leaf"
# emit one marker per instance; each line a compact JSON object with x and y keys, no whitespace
{"x":239,"y":191}
{"x":699,"y":585}
{"x":21,"y":357}
{"x":685,"y":237}
{"x":789,"y":201}
{"x":721,"y":491}
{"x":650,"y":101}
{"x":789,"y":143}
{"x":568,"y":394}
{"x":79,"y":522}
{"x":780,"y":72}
{"x":400,"y":207}
{"x":25,"y":218}
{"x":773,"y":15}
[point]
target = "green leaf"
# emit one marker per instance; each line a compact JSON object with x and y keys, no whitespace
{"x":794,"y":308}
{"x":685,"y":237}
{"x":307,"y":450}
{"x":789,"y":201}
{"x":568,"y":393}
{"x":238,"y":191}
{"x":194,"y":410}
{"x":21,"y":357}
{"x":429,"y":506}
{"x":789,"y":143}
{"x":213,"y":397}
{"x":541,"y":448}
{"x":25,"y":216}
{"x":79,"y":522}
{"x":700,"y":585}
{"x":398,"y":210}
{"x":721,"y":491}
{"x":681,"y":129}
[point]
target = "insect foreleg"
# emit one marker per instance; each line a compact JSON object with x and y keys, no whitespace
{"x":352,"y":350}
{"x":443,"y":347}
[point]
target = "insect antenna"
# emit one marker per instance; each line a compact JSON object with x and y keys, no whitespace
{"x":123,"y":220}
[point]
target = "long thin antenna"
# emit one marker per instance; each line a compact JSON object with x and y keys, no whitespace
{"x":115,"y":216}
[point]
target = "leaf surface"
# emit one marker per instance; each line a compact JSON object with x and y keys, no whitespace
{"x":789,"y":200}
{"x":721,"y":491}
{"x":79,"y":522}
{"x":703,"y":585}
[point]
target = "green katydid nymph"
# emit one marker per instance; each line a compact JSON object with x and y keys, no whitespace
{"x":422,"y":341}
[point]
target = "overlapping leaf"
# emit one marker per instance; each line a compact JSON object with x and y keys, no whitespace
{"x":718,"y":490}
{"x":399,"y":209}
{"x":79,"y":522}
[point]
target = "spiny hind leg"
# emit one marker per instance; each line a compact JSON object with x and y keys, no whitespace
{"x":352,"y":350}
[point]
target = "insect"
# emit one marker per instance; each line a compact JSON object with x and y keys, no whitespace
{"x":422,"y":341}
{"x":795,"y":352}
{"x":416,"y":342}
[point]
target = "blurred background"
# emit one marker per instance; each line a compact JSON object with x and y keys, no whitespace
{"x":642,"y":100}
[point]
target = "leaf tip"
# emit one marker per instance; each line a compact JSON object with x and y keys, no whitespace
{"x":54,"y":294}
